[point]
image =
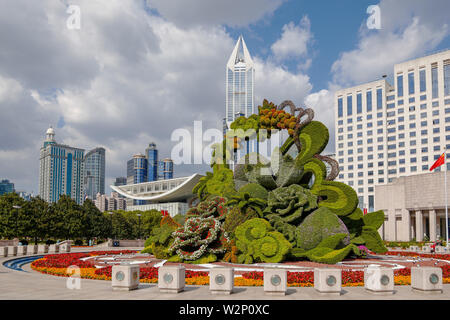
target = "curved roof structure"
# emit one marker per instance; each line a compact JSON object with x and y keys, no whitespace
{"x":169,"y":190}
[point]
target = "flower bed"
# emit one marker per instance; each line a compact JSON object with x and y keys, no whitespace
{"x":421,"y":255}
{"x":57,"y":264}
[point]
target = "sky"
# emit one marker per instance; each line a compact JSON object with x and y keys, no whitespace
{"x":136,"y":70}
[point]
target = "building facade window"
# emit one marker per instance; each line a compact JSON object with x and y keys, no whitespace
{"x":379,"y":99}
{"x":434,"y":82}
{"x":423,"y":81}
{"x":411,"y":83}
{"x":349,"y":105}
{"x":400,"y":86}
{"x":340,"y":108}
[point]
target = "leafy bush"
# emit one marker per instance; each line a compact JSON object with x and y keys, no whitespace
{"x":78,"y":242}
{"x":317,"y":227}
{"x":198,"y":236}
{"x":257,"y":241}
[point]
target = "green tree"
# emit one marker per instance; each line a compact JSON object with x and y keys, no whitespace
{"x":70,"y":222}
{"x":11,"y":225}
{"x":96,"y":225}
{"x":36,"y":219}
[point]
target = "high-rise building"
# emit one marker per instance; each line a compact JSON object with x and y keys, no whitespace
{"x":6,"y":187}
{"x":239,"y":90}
{"x":113,"y":202}
{"x":165,"y":169}
{"x":151,"y":154}
{"x":94,"y":172}
{"x":387,"y":131}
{"x":61,"y":170}
{"x":120,"y":181}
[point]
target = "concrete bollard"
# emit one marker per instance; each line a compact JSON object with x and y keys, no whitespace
{"x":22,"y":250}
{"x":328,"y":281}
{"x":221,"y":280}
{"x":426,"y":249}
{"x":3,"y":251}
{"x":379,"y":280}
{"x":53,"y":248}
{"x":426,"y":279}
{"x":42,"y":248}
{"x":171,"y":279}
{"x":12,"y":251}
{"x":64,"y":248}
{"x":125,"y":277}
{"x":32,"y":249}
{"x":440,"y":249}
{"x":275,"y":281}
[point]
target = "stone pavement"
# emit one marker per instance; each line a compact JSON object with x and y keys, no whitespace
{"x":31,"y":285}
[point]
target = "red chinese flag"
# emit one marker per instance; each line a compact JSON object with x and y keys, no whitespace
{"x":439,"y":162}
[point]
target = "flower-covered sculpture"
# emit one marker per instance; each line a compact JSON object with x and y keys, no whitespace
{"x":302,"y":213}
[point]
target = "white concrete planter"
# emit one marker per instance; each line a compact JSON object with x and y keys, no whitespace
{"x":125,"y":277}
{"x":414,"y":248}
{"x":171,"y":279}
{"x":426,"y":249}
{"x":379,"y":280}
{"x":221,"y":280}
{"x":328,"y":281}
{"x":22,"y":250}
{"x":53,"y":248}
{"x":64,"y":248}
{"x":275,"y":281}
{"x":3,"y":251}
{"x":32,"y":249}
{"x":12,"y":251}
{"x":440,"y":249}
{"x":426,"y":279}
{"x":42,"y":248}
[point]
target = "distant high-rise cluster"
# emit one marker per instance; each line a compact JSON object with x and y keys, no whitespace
{"x":147,"y":168}
{"x":65,"y":170}
{"x":113,"y":202}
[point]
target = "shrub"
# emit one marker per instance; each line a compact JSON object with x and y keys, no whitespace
{"x":198,"y":236}
{"x":78,"y":242}
{"x":147,"y":250}
{"x":255,"y":191}
{"x":24,"y":242}
{"x":49,"y":242}
{"x":257,"y":241}
{"x":318,"y":226}
{"x":235,"y":217}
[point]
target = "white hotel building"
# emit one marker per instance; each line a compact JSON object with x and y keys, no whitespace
{"x":386,"y":131}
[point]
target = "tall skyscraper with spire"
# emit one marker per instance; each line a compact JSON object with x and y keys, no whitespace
{"x":240,"y":80}
{"x":61,"y":170}
{"x":240,"y":88}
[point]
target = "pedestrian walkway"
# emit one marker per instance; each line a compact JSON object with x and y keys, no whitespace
{"x":31,"y":285}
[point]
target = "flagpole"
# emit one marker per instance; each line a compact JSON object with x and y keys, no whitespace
{"x":446,"y":203}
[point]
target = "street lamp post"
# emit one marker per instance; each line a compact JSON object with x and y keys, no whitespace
{"x":139,"y":230}
{"x":17,"y":214}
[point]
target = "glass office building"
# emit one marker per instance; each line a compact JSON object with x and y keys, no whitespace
{"x":61,"y":170}
{"x":94,"y":177}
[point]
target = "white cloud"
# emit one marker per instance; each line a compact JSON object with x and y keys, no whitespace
{"x":234,"y":13}
{"x":294,"y":40}
{"x":275,"y":83}
{"x":125,"y":79}
{"x":409,"y":29}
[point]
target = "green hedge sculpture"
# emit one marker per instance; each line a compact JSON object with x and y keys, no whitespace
{"x":257,"y":242}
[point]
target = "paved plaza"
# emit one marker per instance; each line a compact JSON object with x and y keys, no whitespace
{"x":31,"y":285}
